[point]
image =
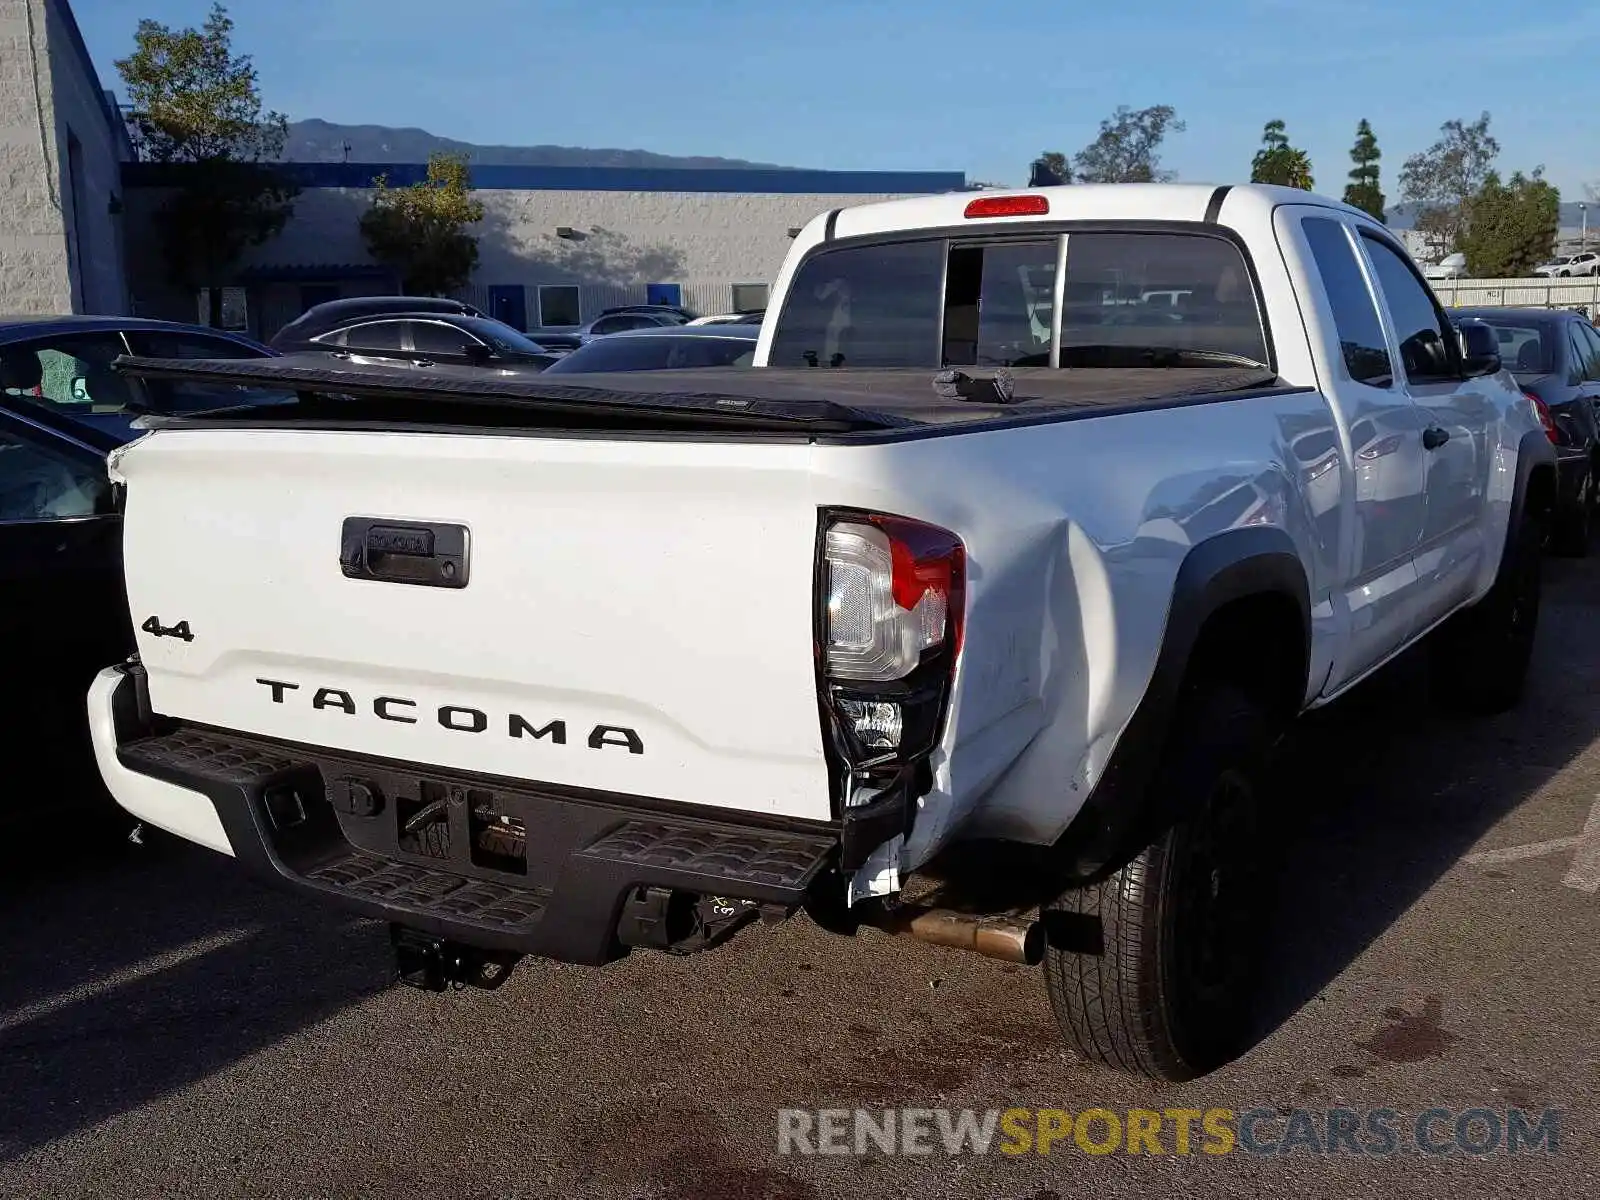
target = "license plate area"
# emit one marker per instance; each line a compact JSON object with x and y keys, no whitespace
{"x":450,"y":822}
{"x":478,"y":828}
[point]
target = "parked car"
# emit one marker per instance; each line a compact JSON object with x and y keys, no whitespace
{"x":437,"y":341}
{"x":1587,"y":263}
{"x":750,"y":317}
{"x":609,"y":323}
{"x":58,"y":372}
{"x":321,"y":318}
{"x":721,"y":644}
{"x":1451,"y":266}
{"x":665,"y":310}
{"x":1555,"y":356}
{"x":62,"y":608}
{"x":664,"y":350}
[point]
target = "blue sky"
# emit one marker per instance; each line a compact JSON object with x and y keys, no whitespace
{"x":974,"y":85}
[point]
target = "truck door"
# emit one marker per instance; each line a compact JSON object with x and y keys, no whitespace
{"x":1383,"y":501}
{"x":1458,"y":413}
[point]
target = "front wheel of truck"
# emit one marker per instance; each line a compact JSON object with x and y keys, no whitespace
{"x":1481,"y":655}
{"x":1151,"y":970}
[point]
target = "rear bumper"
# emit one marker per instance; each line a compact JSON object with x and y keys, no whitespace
{"x":335,"y":826}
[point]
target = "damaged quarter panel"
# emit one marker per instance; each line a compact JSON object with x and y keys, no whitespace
{"x":1073,"y":550}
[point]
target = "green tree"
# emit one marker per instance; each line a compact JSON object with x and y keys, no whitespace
{"x":196,"y":103}
{"x":421,"y":231}
{"x":1442,"y":180}
{"x":1128,"y":149}
{"x":1280,"y":163}
{"x":1511,"y":226}
{"x":1363,"y":190}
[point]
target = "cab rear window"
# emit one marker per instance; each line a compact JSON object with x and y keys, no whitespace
{"x":1128,"y":299}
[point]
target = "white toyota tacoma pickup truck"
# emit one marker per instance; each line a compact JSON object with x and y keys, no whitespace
{"x":1039,"y":519}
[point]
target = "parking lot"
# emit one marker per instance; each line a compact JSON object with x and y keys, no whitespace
{"x":169,"y":1028}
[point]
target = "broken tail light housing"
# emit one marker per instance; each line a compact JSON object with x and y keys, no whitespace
{"x":891,"y":615}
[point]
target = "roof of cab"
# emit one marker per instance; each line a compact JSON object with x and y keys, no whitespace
{"x":1071,"y":202}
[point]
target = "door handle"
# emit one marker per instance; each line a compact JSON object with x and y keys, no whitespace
{"x":1434,"y":436}
{"x":422,"y":553}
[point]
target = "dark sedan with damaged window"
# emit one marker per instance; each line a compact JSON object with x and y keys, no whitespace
{"x":62,"y":611}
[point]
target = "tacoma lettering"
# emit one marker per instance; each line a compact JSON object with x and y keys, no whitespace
{"x":459,"y":718}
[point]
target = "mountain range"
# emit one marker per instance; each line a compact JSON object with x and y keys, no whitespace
{"x":325,"y":141}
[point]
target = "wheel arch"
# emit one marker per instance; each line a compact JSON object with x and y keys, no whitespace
{"x":1242,"y":590}
{"x":1534,"y":488}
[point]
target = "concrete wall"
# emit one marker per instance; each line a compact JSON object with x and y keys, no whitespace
{"x":60,"y":248}
{"x":34,"y":273}
{"x":706,"y":242}
{"x":88,"y":155}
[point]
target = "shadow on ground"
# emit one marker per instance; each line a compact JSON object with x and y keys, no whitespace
{"x":1383,"y":792}
{"x":189,"y":969}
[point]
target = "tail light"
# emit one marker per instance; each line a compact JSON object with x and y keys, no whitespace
{"x":1542,"y":410}
{"x":891,"y":615}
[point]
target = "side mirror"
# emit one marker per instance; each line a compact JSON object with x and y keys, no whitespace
{"x":1480,"y":349}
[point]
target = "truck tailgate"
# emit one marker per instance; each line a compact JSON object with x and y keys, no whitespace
{"x":636,"y":618}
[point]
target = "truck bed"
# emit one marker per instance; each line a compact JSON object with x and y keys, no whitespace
{"x":831,"y":404}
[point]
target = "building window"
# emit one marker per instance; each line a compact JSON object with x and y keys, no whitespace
{"x":558,"y":305}
{"x":748,"y":297}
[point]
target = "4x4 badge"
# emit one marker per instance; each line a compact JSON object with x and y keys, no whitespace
{"x":181,"y":630}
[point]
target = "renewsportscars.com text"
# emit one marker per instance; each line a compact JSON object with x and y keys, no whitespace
{"x":1176,"y":1131}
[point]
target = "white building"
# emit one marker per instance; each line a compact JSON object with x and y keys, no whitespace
{"x":61,"y":148}
{"x":556,"y":245}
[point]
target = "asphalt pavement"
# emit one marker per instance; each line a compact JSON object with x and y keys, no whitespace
{"x":169,"y":1028}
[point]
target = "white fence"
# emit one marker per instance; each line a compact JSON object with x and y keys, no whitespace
{"x":1581,"y":293}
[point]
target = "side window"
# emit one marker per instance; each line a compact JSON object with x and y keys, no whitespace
{"x":623,"y":321}
{"x":1591,"y":337}
{"x":1355,"y":313}
{"x":434,"y":337}
{"x":1424,"y":336}
{"x":183,"y":345}
{"x":39,"y":485}
{"x":172,"y":396}
{"x":1577,"y":355}
{"x":998,"y":304}
{"x":863,"y":306}
{"x":706,"y":351}
{"x":71,"y":374}
{"x":374,"y":335}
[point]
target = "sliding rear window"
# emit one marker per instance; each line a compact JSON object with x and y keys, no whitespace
{"x":958,"y":303}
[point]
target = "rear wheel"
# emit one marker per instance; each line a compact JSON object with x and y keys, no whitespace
{"x":1163,"y":988}
{"x":1480,"y":658}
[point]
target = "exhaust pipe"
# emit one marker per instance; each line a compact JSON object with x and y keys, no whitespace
{"x":1009,"y":939}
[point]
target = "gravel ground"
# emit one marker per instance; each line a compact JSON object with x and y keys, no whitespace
{"x":168,"y":1028}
